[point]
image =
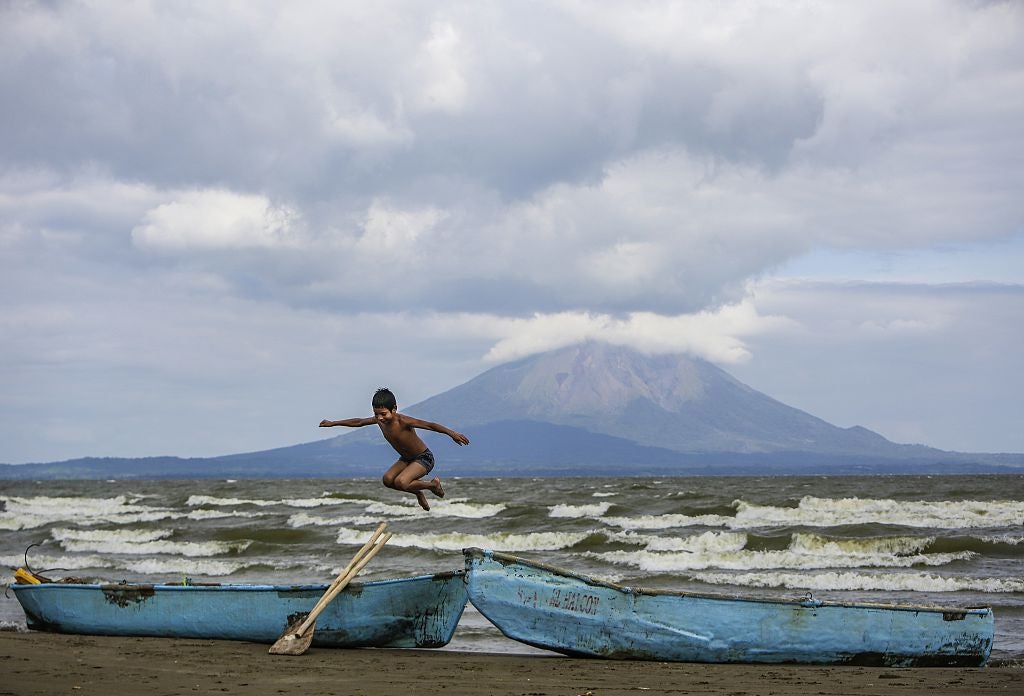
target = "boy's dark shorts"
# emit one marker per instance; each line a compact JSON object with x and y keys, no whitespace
{"x":426,"y":458}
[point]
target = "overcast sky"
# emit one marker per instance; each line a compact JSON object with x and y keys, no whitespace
{"x":221,"y":222}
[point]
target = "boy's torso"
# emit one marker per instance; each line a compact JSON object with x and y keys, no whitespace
{"x":403,"y":438}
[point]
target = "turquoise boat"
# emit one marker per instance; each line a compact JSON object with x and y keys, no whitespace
{"x":415,"y":612}
{"x":576,"y":615}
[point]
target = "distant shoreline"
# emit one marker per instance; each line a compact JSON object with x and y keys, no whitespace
{"x":145,"y":469}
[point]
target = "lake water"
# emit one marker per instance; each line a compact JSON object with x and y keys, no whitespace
{"x":941,"y":540}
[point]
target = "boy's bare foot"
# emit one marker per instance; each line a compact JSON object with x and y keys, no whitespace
{"x":435,"y":487}
{"x":422,"y":500}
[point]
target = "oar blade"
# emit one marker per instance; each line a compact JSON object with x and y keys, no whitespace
{"x":299,"y":635}
{"x":290,"y":642}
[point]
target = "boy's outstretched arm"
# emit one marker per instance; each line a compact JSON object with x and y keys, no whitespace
{"x":459,"y":438}
{"x":348,"y":422}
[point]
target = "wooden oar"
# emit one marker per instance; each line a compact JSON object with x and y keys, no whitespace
{"x":299,"y":635}
{"x":347,"y":569}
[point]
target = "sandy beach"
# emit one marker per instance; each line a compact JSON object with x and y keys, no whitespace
{"x":41,"y":663}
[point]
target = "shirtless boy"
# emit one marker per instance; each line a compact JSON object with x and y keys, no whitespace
{"x":415,"y":460}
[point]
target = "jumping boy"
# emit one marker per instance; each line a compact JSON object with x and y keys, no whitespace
{"x":415,"y":460}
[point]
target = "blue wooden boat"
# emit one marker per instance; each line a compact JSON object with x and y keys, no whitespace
{"x":416,"y":612}
{"x":576,"y":615}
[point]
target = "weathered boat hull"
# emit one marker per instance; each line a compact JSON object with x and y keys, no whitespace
{"x":417,"y":612}
{"x":558,"y":610}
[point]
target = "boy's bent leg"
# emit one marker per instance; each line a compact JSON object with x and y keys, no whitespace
{"x":408,"y":480}
{"x":391,"y":475}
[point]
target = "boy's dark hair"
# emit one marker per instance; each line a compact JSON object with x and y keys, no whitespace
{"x":383,"y":398}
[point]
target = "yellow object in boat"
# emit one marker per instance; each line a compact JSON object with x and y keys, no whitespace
{"x":25,"y":577}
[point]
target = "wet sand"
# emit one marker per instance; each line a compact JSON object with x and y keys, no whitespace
{"x":41,"y":663}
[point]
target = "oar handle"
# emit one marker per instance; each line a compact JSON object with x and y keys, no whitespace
{"x":351,"y":564}
{"x":339,"y":586}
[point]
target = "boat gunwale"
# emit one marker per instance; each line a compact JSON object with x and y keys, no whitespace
{"x":241,"y":587}
{"x":804,"y":602}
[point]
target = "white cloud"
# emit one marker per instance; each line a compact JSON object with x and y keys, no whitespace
{"x":716,"y":336}
{"x":216,"y":219}
{"x":439,"y":84}
{"x":390,"y":232}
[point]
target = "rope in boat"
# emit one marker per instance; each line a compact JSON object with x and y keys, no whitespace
{"x":45,"y":570}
